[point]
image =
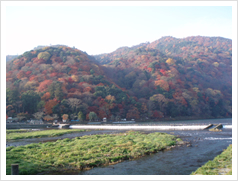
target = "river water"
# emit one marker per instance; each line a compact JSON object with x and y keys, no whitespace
{"x":182,"y":160}
{"x":205,"y":145}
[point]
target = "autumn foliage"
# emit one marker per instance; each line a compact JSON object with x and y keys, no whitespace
{"x":168,"y":77}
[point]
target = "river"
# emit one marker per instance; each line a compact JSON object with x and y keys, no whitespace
{"x":182,"y":160}
{"x":205,"y":145}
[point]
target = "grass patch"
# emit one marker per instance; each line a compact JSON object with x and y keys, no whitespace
{"x":9,"y":131}
{"x":23,"y":134}
{"x":85,"y":152}
{"x":220,"y":165}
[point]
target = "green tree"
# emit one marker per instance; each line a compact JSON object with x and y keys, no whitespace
{"x":92,"y":71}
{"x":92,"y":116}
{"x":55,"y":90}
{"x":30,"y":100}
{"x":12,"y":96}
{"x":81,"y":116}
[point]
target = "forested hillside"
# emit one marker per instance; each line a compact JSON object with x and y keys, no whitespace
{"x":50,"y":82}
{"x":166,"y":78}
{"x":175,"y":77}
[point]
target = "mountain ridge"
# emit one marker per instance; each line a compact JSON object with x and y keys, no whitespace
{"x":168,"y":77}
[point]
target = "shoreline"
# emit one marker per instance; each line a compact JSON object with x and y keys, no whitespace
{"x":220,"y":165}
{"x":111,"y":149}
{"x":74,"y":171}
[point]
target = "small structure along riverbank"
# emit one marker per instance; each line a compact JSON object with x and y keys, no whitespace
{"x":23,"y":125}
{"x":217,"y":128}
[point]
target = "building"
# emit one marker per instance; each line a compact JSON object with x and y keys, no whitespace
{"x":12,"y":120}
{"x":36,"y":121}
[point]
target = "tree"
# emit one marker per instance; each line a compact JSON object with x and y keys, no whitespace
{"x":44,"y":55}
{"x":22,"y":116}
{"x":49,"y":106}
{"x":46,"y":96}
{"x":44,"y":85}
{"x":133,"y":113}
{"x":48,"y":118}
{"x":81,"y":116}
{"x":12,"y":100}
{"x":74,"y":103}
{"x":170,"y":61}
{"x":38,"y":115}
{"x":65,"y":116}
{"x":110,"y":99}
{"x":55,"y":90}
{"x":30,"y":100}
{"x":21,"y":74}
{"x":92,"y":116}
{"x":92,"y":71}
{"x":163,"y":84}
{"x":160,"y":99}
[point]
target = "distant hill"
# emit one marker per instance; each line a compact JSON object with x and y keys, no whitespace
{"x":10,"y":57}
{"x":165,"y":79}
{"x":55,"y":81}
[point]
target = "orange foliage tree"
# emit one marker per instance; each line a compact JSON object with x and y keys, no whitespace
{"x":44,"y":85}
{"x":163,"y":84}
{"x":46,"y":96}
{"x":49,"y":106}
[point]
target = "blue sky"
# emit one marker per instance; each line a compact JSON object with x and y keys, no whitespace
{"x":103,"y":29}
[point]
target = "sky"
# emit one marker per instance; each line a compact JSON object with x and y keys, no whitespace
{"x":103,"y":28}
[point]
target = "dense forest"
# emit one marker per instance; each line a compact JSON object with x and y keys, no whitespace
{"x":169,"y":77}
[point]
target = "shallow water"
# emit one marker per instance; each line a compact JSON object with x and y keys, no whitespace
{"x":205,"y":145}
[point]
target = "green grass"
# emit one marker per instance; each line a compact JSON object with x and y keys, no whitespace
{"x":9,"y":131}
{"x":218,"y":165}
{"x":85,"y":152}
{"x":23,"y":134}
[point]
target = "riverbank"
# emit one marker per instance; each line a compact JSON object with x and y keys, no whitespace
{"x":25,"y":134}
{"x":220,"y":165}
{"x":86,"y":152}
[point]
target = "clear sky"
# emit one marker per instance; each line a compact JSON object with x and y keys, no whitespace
{"x":103,"y":29}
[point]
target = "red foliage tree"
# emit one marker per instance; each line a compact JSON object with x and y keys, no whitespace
{"x":53,"y":74}
{"x":21,"y":74}
{"x":44,"y":85}
{"x":46,"y":96}
{"x":133,"y":113}
{"x":49,"y":106}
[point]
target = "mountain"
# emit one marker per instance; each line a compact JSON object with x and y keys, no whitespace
{"x":192,"y":75}
{"x":53,"y":81}
{"x":166,"y":78}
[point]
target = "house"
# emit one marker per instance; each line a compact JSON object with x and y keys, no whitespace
{"x":12,"y":120}
{"x":36,"y":121}
{"x":104,"y":120}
